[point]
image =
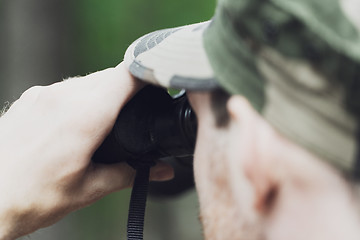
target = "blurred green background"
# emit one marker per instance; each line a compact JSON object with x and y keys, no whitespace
{"x":42,"y":42}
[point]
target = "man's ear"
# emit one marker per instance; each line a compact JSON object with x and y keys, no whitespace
{"x":257,"y":142}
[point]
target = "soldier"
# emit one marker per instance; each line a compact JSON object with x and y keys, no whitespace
{"x":275,"y":88}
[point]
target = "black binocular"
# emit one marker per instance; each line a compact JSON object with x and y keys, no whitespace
{"x":152,"y":125}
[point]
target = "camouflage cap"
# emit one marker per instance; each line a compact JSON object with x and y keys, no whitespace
{"x":297,"y":62}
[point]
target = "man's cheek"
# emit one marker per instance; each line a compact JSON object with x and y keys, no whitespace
{"x":216,"y":201}
{"x":201,"y":180}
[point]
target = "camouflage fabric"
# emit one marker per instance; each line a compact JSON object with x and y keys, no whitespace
{"x":296,"y":61}
{"x":298,"y":64}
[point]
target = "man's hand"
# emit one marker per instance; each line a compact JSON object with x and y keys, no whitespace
{"x":47,"y":139}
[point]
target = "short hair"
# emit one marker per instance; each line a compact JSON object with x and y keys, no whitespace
{"x":218,"y":100}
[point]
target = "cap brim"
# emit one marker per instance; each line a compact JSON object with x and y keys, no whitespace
{"x":172,"y":58}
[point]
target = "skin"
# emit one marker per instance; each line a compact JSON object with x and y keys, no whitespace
{"x":47,"y":139}
{"x":254,"y":184}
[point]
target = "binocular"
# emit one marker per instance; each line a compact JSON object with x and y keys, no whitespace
{"x":152,"y":125}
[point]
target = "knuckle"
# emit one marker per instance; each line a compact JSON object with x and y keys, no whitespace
{"x":48,"y":97}
{"x":32,"y":93}
{"x":96,"y":194}
{"x":91,"y":193}
{"x":48,"y":92}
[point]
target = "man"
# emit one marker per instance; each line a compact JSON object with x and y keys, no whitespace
{"x":47,"y":139}
{"x":274,"y":86}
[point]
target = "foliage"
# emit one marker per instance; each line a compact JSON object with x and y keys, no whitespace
{"x":104,"y":30}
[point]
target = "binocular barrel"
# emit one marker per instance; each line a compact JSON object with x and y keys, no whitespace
{"x":152,"y":125}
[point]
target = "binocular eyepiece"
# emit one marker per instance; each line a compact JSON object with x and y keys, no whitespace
{"x":151,"y":126}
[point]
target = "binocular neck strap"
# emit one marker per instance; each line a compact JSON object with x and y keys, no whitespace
{"x":135,"y":226}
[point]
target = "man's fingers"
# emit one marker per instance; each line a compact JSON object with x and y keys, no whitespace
{"x":104,"y":179}
{"x":116,"y":83}
{"x":161,"y":172}
{"x":101,"y":179}
{"x":111,"y":177}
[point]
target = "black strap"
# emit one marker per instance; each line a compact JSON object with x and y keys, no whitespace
{"x":135,"y":226}
{"x":356,"y":168}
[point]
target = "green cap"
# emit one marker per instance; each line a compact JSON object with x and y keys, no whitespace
{"x":296,"y":61}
